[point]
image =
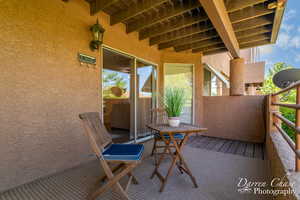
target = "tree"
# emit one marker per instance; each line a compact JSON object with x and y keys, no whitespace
{"x":112,"y":79}
{"x":290,"y":97}
{"x":269,"y":87}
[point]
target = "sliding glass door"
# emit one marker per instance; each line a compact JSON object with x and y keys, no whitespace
{"x":128,"y":92}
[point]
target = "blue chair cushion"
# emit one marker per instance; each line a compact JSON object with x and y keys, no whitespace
{"x":130,"y":152}
{"x":178,"y":136}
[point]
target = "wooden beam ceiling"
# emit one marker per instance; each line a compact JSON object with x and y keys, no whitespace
{"x":239,"y":27}
{"x":162,"y":16}
{"x":235,"y":5}
{"x":247,"y":43}
{"x":190,"y":39}
{"x":209,"y":48}
{"x":255,"y":44}
{"x":181,"y":23}
{"x":253,"y":23}
{"x":232,"y":6}
{"x":254,"y":38}
{"x":210,"y":26}
{"x":181,"y":33}
{"x":218,"y":15}
{"x":254,"y":31}
{"x":249,"y":13}
{"x":135,"y":10}
{"x":253,"y":19}
{"x":240,"y":35}
{"x":99,"y":5}
{"x":197,"y":45}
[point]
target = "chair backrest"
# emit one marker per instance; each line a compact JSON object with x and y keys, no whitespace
{"x":96,"y":131}
{"x":159,"y":116}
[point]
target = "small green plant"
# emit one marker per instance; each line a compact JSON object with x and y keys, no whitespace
{"x":174,"y":101}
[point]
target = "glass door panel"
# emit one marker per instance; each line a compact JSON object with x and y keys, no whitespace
{"x":146,"y":87}
{"x":116,"y":90}
{"x":181,"y":76}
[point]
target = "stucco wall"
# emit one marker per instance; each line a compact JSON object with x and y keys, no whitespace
{"x":43,"y":86}
{"x":235,"y":117}
{"x":255,"y":72}
{"x":221,"y":61}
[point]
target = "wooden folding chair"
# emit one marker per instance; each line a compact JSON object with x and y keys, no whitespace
{"x":126,"y":156}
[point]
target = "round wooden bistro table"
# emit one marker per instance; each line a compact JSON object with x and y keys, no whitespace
{"x":167,"y":134}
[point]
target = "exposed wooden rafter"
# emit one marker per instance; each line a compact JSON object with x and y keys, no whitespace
{"x":247,"y":43}
{"x":249,"y":13}
{"x":197,"y":45}
{"x":135,"y":10}
{"x":181,"y":23}
{"x":253,"y":23}
{"x":181,"y":33}
{"x":255,"y":38}
{"x":255,"y":44}
{"x":209,"y":48}
{"x":215,"y":51}
{"x":235,"y":5}
{"x":244,"y":35}
{"x":171,"y":12}
{"x":253,"y":32}
{"x":99,"y":5}
{"x":190,"y":39}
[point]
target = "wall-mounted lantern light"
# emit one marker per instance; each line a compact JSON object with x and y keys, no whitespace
{"x":97,"y":32}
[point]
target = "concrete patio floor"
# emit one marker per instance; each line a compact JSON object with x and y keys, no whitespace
{"x":217,"y":175}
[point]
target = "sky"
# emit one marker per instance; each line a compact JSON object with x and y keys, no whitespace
{"x":287,"y":47}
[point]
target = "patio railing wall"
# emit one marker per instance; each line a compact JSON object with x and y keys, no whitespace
{"x":277,"y":119}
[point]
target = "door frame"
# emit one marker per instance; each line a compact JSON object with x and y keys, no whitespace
{"x":193,"y":82}
{"x":132,"y":81}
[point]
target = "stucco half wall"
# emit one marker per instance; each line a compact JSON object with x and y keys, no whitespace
{"x":235,"y":117}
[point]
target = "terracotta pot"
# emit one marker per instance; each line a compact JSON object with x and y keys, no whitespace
{"x":174,"y":121}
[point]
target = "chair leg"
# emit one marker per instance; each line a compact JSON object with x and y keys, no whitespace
{"x":116,"y":168}
{"x":134,"y":180}
{"x":154,"y":147}
{"x":114,"y":181}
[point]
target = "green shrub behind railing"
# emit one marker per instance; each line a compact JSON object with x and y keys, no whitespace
{"x":289,"y":114}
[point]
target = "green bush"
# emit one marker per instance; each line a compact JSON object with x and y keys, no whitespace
{"x":174,"y":101}
{"x":289,"y":114}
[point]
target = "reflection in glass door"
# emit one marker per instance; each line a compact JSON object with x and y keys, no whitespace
{"x":181,"y":76}
{"x":116,"y":90}
{"x":146,"y":87}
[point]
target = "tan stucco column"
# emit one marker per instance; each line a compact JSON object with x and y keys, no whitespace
{"x":237,"y":84}
{"x":251,"y":89}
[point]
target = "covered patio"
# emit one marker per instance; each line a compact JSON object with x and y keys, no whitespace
{"x":116,"y":58}
{"x":216,"y":181}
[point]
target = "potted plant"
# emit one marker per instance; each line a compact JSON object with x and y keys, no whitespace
{"x":174,"y":100}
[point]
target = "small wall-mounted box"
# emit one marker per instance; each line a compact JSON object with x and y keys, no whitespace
{"x":86,"y":59}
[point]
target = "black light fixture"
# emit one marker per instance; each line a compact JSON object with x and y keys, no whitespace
{"x":97,"y":33}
